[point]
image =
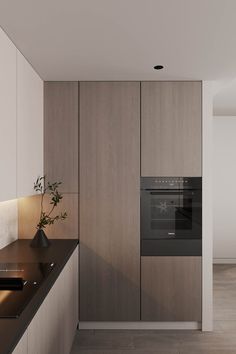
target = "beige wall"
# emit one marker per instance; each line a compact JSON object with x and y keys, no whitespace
{"x":28,"y":215}
{"x":224,"y":177}
{"x":8,"y":222}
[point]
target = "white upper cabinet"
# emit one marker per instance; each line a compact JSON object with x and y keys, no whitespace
{"x":7,"y":118}
{"x":29,"y":126}
{"x":21,"y":123}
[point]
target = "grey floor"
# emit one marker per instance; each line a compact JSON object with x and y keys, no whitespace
{"x":221,"y":341}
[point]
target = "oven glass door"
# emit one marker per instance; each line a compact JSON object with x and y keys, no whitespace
{"x":171,"y":214}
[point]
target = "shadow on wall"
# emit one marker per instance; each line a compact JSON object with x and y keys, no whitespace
{"x":28,"y":215}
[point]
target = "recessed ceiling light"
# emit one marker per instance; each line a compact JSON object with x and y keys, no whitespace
{"x":158,"y":67}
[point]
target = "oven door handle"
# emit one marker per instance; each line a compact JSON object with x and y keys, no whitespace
{"x":175,"y":192}
{"x":166,"y":191}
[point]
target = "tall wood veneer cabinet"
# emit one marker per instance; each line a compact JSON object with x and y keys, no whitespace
{"x":171,"y":128}
{"x":61,"y":151}
{"x":171,"y":288}
{"x":61,"y":129}
{"x":109,"y":201}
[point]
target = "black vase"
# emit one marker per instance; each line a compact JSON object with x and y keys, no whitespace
{"x":40,"y":240}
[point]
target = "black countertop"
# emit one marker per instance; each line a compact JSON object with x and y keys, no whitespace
{"x":11,"y":330}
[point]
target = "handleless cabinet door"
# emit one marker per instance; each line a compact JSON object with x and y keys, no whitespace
{"x":7,"y":118}
{"x":29,"y":127}
{"x":61,"y":146}
{"x":171,"y":128}
{"x":109,"y":201}
{"x":171,"y":288}
{"x":61,"y":133}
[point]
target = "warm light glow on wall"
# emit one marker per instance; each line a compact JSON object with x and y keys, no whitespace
{"x":7,"y":202}
{"x":8,"y":222}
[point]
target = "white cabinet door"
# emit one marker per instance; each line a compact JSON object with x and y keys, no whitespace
{"x":7,"y":118}
{"x":29,"y":126}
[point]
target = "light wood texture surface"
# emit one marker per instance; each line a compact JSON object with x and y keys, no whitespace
{"x":7,"y":118}
{"x":109,"y":201}
{"x":22,"y":346}
{"x":28,"y":215}
{"x":61,"y":131}
{"x":69,"y":302}
{"x":171,"y":128}
{"x":171,"y":288}
{"x":53,"y":328}
{"x":29,"y":127}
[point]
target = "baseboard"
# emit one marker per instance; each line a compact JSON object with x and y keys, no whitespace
{"x":224,"y":261}
{"x":141,"y":325}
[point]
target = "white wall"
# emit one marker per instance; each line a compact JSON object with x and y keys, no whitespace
{"x":207,"y":279}
{"x":224,"y":187}
{"x":8,"y":222}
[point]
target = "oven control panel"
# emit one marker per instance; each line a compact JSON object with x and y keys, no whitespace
{"x":171,"y":182}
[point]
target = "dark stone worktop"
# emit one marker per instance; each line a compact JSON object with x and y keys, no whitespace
{"x":11,"y":330}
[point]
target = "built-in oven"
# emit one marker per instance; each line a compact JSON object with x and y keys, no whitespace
{"x":171,"y":210}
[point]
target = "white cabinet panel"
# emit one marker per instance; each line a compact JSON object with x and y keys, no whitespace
{"x":7,"y":118}
{"x":29,"y":126}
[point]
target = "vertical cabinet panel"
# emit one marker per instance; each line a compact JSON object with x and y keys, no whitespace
{"x":69,"y":295}
{"x":61,"y":130}
{"x":171,"y":129}
{"x":53,"y":328}
{"x":29,"y":127}
{"x":44,"y":331}
{"x":22,"y":346}
{"x":61,"y":134}
{"x":7,"y":118}
{"x":109,"y":201}
{"x":171,"y":288}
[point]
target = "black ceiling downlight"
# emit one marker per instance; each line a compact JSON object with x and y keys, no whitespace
{"x":158,"y":67}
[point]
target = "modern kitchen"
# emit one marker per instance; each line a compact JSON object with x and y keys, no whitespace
{"x":115,"y":234}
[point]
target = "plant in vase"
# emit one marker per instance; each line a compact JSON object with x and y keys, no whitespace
{"x":47,"y":218}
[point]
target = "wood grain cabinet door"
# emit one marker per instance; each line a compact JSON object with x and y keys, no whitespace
{"x":109,"y":201}
{"x":171,"y":288}
{"x":61,"y":130}
{"x":171,"y":128}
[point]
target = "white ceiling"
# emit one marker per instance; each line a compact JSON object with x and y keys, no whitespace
{"x":124,"y":39}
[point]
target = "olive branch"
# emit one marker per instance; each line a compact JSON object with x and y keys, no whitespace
{"x":43,"y":187}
